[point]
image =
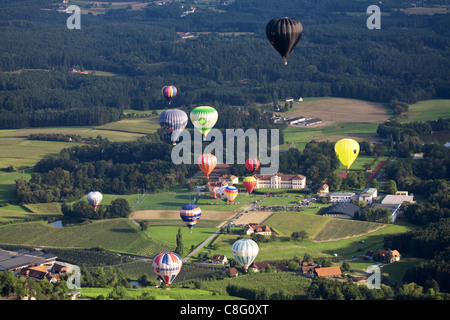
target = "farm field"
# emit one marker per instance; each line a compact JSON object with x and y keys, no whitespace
{"x":427,"y":110}
{"x":253,"y":217}
{"x":335,"y":110}
{"x":175,"y":215}
{"x":242,"y":201}
{"x":167,"y":235}
{"x":167,"y":200}
{"x":327,"y":236}
{"x":119,"y":235}
{"x":17,"y":151}
{"x":159,"y":294}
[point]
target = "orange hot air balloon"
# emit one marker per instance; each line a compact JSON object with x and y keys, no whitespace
{"x":249,"y":183}
{"x":207,"y":162}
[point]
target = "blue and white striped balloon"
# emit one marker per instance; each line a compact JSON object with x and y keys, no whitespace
{"x":245,"y":252}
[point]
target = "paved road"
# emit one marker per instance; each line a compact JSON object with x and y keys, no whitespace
{"x":204,"y":243}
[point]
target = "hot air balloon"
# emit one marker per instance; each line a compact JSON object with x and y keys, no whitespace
{"x":169,"y":92}
{"x":212,"y":192}
{"x":207,"y":162}
{"x":284,"y":34}
{"x":252,"y":164}
{"x":231,"y":193}
{"x":167,"y":265}
{"x":220,"y":193}
{"x":245,"y":252}
{"x":249,"y":183}
{"x":347,"y":151}
{"x":204,"y":118}
{"x":94,"y":198}
{"x":173,"y":122}
{"x":190,"y":214}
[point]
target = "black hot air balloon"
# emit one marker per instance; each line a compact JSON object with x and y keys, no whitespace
{"x":284,"y":34}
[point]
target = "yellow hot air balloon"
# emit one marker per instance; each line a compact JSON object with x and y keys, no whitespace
{"x":347,"y":151}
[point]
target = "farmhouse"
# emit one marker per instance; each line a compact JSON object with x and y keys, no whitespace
{"x":307,"y":267}
{"x":328,"y":272}
{"x":258,"y":266}
{"x":219,"y":259}
{"x":229,"y":179}
{"x":342,"y":210}
{"x":324,"y":189}
{"x":388,"y":256}
{"x":233,"y":272}
{"x":258,"y":229}
{"x":278,"y":180}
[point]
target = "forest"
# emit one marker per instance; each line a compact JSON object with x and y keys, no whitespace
{"x":229,"y":62}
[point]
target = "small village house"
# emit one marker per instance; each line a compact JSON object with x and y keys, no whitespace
{"x":258,"y":229}
{"x":219,"y":259}
{"x":328,"y":272}
{"x":258,"y":266}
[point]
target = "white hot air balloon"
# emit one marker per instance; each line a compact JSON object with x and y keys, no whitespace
{"x":94,"y":198}
{"x":245,"y":252}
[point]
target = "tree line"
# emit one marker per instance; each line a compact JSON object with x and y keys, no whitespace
{"x":115,"y":168}
{"x":337,"y":56}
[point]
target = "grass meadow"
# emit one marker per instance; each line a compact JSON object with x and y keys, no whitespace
{"x":427,"y":110}
{"x":118,"y":235}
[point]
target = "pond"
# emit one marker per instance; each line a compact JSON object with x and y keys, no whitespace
{"x":57,"y":223}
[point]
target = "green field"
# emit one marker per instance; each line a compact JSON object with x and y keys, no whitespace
{"x":242,"y":201}
{"x":17,"y":151}
{"x":119,"y":235}
{"x":284,"y":223}
{"x":159,"y":294}
{"x":427,"y":110}
{"x":167,"y":234}
{"x":168,"y":200}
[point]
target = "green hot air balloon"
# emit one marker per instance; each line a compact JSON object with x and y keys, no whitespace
{"x":204,"y":118}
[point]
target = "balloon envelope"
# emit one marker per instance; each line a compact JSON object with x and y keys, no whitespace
{"x":169,"y":92}
{"x":245,"y":252}
{"x":252,"y":164}
{"x":167,"y":265}
{"x":231,"y":193}
{"x":347,"y":151}
{"x":207,"y":162}
{"x":190,"y":214}
{"x":220,"y":193}
{"x":212,"y":192}
{"x":94,"y":198}
{"x":204,"y":118}
{"x":249,"y":183}
{"x":284,"y":34}
{"x":173,"y":122}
